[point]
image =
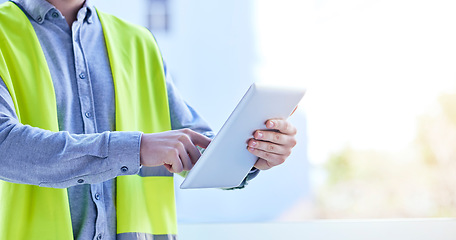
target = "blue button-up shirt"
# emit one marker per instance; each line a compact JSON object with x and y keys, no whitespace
{"x":86,"y":154}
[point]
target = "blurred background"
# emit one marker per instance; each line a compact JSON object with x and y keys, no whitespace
{"x":377,"y":127}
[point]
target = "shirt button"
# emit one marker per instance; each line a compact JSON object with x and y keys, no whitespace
{"x":82,"y":75}
{"x":88,"y":114}
{"x":55,"y":15}
{"x":97,"y":196}
{"x":39,"y":18}
{"x":81,"y":181}
{"x":99,"y":237}
{"x":124,"y":169}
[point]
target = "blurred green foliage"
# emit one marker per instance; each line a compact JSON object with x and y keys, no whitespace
{"x":419,"y":181}
{"x":339,"y":167}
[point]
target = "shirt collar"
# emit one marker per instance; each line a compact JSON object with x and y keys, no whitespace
{"x":89,"y":11}
{"x":37,"y":9}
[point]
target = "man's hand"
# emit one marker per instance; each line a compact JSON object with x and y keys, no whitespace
{"x":176,"y":150}
{"x":272,"y":146}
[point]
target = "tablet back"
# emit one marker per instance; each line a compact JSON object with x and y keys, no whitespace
{"x":226,"y":161}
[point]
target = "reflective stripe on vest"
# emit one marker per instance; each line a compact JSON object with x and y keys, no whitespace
{"x":145,"y":205}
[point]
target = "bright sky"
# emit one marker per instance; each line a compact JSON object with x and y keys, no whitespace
{"x":370,"y":67}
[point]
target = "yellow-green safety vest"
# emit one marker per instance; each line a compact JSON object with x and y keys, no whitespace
{"x":145,"y":206}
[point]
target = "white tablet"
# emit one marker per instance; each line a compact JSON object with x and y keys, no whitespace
{"x":226,"y":161}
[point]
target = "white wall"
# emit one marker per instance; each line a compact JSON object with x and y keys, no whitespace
{"x":441,"y":229}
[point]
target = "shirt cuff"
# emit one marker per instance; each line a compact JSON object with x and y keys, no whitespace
{"x":251,"y":175}
{"x":123,"y":153}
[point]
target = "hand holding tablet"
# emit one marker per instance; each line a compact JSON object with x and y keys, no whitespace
{"x":272,"y":146}
{"x":227,"y":159}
